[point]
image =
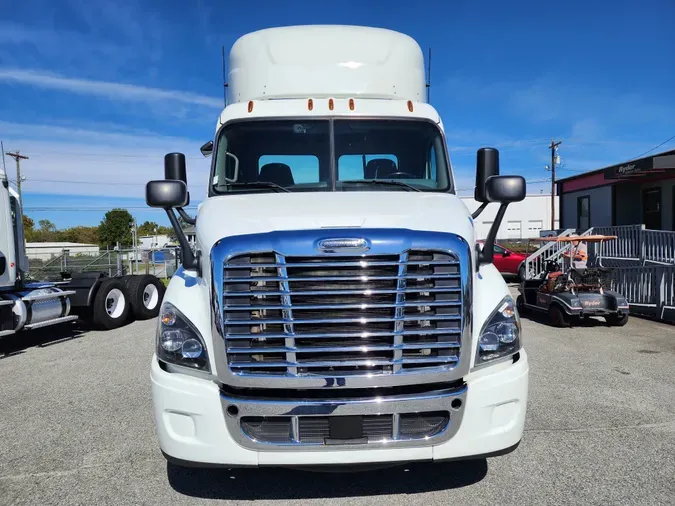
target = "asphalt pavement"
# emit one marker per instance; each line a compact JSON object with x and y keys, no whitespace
{"x":75,"y":416}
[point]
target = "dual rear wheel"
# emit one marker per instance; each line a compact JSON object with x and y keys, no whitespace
{"x":119,"y":298}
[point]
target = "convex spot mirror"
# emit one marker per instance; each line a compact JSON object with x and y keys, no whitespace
{"x":166,"y":194}
{"x":207,"y":149}
{"x":505,"y":189}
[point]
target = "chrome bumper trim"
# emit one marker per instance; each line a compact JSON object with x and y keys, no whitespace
{"x":440,"y":400}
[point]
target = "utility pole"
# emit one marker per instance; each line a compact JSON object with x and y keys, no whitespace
{"x":554,"y":145}
{"x":17,"y":157}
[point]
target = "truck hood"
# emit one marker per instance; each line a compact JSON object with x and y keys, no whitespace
{"x":264,"y":212}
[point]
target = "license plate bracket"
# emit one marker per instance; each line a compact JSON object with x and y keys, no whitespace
{"x":345,"y":429}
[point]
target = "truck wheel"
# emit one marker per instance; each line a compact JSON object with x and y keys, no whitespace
{"x":617,"y":321}
{"x":145,"y":293}
{"x":520,"y":304}
{"x":111,"y":305}
{"x":558,"y":317}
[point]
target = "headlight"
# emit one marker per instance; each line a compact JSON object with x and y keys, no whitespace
{"x":178,"y":341}
{"x":500,"y":336}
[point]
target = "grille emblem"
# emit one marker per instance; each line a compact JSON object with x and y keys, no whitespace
{"x":339,"y":245}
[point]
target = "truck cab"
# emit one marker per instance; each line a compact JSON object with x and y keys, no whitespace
{"x":335,"y":308}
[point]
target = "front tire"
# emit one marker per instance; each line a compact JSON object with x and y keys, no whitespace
{"x":617,"y":321}
{"x":111,"y":305}
{"x":558,"y":317}
{"x":520,"y":304}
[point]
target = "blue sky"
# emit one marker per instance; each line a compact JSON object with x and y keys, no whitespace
{"x":96,"y":92}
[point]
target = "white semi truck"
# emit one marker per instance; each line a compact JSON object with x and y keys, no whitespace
{"x":107,"y":302}
{"x":336,"y":308}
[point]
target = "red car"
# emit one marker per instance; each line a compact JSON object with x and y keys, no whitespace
{"x":508,"y":262}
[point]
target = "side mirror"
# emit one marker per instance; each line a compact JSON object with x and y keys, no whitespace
{"x":207,"y":149}
{"x":487,"y":166}
{"x":174,"y":167}
{"x":166,"y":194}
{"x":505,"y":189}
{"x":502,"y":189}
{"x":506,"y":254}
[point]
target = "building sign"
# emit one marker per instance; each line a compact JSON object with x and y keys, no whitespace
{"x":627,"y":169}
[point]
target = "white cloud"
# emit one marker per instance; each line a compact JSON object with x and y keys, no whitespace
{"x":72,"y":161}
{"x":110,"y":90}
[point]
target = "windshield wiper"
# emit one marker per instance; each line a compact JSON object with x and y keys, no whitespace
{"x":390,"y":182}
{"x":260,"y":184}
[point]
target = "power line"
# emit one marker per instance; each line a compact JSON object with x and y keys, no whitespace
{"x":93,"y":209}
{"x":573,"y":170}
{"x":650,"y":150}
{"x":83,"y":182}
{"x":107,"y":155}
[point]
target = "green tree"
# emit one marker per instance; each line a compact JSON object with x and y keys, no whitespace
{"x":46,"y":226}
{"x":116,"y":227}
{"x":80,"y":234}
{"x":148,"y":228}
{"x":28,"y":228}
{"x":45,"y":233}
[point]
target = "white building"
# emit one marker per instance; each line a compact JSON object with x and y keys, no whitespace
{"x":159,"y":241}
{"x":48,"y":250}
{"x":522,"y":220}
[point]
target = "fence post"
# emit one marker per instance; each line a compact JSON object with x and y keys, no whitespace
{"x":642,"y":245}
{"x":661,"y":294}
{"x":119,"y":261}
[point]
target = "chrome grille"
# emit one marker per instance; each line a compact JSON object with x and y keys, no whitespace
{"x":342,"y":315}
{"x":315,"y":430}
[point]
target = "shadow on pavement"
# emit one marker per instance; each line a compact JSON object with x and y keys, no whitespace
{"x":273,"y":483}
{"x":16,"y":344}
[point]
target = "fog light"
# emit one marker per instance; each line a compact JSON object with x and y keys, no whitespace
{"x":191,"y":348}
{"x":172,"y":340}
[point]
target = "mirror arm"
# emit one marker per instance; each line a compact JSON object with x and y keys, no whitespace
{"x":486,"y":255}
{"x":477,"y":212}
{"x":186,"y":217}
{"x":190,"y":260}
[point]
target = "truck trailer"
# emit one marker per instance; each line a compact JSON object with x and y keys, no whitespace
{"x":336,"y":309}
{"x":107,"y":302}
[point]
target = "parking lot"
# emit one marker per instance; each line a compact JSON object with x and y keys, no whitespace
{"x":76,"y":425}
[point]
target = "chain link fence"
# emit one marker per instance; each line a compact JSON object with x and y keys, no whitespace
{"x":113,"y":261}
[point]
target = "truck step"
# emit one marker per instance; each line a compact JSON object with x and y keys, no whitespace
{"x":6,"y":302}
{"x":4,"y":333}
{"x":43,"y":296}
{"x":54,"y":321}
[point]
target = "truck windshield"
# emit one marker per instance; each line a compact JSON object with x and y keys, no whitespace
{"x":353,"y":155}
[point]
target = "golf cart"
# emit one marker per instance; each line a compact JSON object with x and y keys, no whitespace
{"x":570,"y":293}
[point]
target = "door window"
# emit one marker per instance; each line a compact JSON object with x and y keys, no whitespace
{"x":584,"y":213}
{"x":651,"y":208}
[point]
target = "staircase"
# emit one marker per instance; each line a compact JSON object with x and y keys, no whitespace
{"x":535,"y":264}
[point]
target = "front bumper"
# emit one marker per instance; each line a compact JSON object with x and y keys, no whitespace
{"x":192,"y":426}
